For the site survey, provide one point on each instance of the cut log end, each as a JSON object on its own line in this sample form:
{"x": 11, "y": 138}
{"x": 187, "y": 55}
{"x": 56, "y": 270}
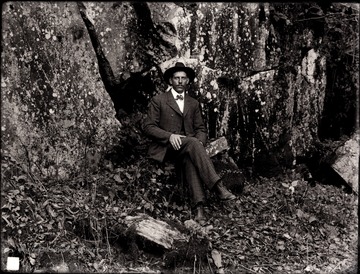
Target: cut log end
{"x": 155, "y": 231}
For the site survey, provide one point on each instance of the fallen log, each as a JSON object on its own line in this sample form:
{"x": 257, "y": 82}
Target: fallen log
{"x": 192, "y": 242}
{"x": 217, "y": 146}
{"x": 155, "y": 231}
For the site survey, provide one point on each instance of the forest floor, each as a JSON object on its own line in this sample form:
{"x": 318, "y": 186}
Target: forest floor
{"x": 277, "y": 225}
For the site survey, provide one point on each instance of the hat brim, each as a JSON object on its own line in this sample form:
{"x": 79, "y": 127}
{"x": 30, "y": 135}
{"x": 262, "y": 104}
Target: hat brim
{"x": 169, "y": 73}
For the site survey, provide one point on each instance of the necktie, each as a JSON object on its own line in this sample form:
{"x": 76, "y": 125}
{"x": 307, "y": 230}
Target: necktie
{"x": 179, "y": 97}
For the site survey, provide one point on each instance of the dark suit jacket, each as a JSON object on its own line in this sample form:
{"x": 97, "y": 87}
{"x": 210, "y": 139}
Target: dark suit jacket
{"x": 165, "y": 118}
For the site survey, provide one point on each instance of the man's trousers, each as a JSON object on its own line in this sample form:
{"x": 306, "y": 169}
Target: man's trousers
{"x": 197, "y": 167}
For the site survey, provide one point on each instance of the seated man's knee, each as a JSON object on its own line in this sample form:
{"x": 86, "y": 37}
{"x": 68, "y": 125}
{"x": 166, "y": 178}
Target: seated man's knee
{"x": 192, "y": 144}
{"x": 193, "y": 141}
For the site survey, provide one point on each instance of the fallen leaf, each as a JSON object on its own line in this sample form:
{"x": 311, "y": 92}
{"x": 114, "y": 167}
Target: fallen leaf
{"x": 11, "y": 242}
{"x": 216, "y": 257}
{"x": 117, "y": 178}
{"x": 312, "y": 219}
{"x": 299, "y": 213}
{"x": 61, "y": 268}
{"x": 51, "y": 211}
{"x": 292, "y": 189}
{"x": 46, "y": 202}
{"x": 31, "y": 260}
{"x": 6, "y": 249}
{"x": 287, "y": 236}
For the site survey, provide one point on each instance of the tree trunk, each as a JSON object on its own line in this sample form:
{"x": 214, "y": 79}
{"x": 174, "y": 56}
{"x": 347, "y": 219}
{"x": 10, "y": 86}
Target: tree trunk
{"x": 130, "y": 95}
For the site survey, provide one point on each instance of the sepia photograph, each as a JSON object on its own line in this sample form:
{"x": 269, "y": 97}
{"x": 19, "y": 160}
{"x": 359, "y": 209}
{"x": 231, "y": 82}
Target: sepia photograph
{"x": 179, "y": 137}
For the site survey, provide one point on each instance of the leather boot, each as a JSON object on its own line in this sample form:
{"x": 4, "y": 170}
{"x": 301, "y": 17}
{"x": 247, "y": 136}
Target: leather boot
{"x": 223, "y": 193}
{"x": 199, "y": 214}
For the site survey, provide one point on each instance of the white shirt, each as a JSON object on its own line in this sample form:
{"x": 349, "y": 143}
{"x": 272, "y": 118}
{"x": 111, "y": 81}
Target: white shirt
{"x": 179, "y": 102}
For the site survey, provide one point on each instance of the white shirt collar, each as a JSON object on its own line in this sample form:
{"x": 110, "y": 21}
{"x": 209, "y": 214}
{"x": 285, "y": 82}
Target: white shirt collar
{"x": 174, "y": 93}
{"x": 180, "y": 103}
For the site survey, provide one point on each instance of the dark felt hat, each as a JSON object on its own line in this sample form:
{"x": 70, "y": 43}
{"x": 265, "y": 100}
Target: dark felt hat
{"x": 179, "y": 67}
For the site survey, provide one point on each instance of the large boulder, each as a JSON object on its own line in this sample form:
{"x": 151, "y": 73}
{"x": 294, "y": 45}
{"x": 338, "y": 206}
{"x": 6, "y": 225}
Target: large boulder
{"x": 347, "y": 162}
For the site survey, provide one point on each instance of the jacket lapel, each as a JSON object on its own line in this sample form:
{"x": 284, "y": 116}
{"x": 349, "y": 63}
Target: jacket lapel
{"x": 172, "y": 103}
{"x": 186, "y": 104}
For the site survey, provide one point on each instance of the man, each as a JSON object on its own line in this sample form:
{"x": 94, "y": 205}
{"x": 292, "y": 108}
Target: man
{"x": 175, "y": 125}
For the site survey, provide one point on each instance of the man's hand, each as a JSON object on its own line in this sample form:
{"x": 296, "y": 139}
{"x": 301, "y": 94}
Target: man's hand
{"x": 175, "y": 140}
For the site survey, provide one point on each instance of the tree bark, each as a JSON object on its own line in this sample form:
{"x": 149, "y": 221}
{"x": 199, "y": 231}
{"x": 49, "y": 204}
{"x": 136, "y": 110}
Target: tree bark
{"x": 131, "y": 94}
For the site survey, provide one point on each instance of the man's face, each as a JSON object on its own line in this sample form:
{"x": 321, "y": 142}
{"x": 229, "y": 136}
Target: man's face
{"x": 179, "y": 81}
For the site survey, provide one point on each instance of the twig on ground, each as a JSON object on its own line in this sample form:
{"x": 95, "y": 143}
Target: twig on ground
{"x": 210, "y": 265}
{"x": 246, "y": 268}
{"x": 194, "y": 264}
{"x": 107, "y": 238}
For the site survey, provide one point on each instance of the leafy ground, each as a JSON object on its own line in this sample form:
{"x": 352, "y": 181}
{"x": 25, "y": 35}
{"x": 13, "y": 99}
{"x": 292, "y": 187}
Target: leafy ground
{"x": 279, "y": 225}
